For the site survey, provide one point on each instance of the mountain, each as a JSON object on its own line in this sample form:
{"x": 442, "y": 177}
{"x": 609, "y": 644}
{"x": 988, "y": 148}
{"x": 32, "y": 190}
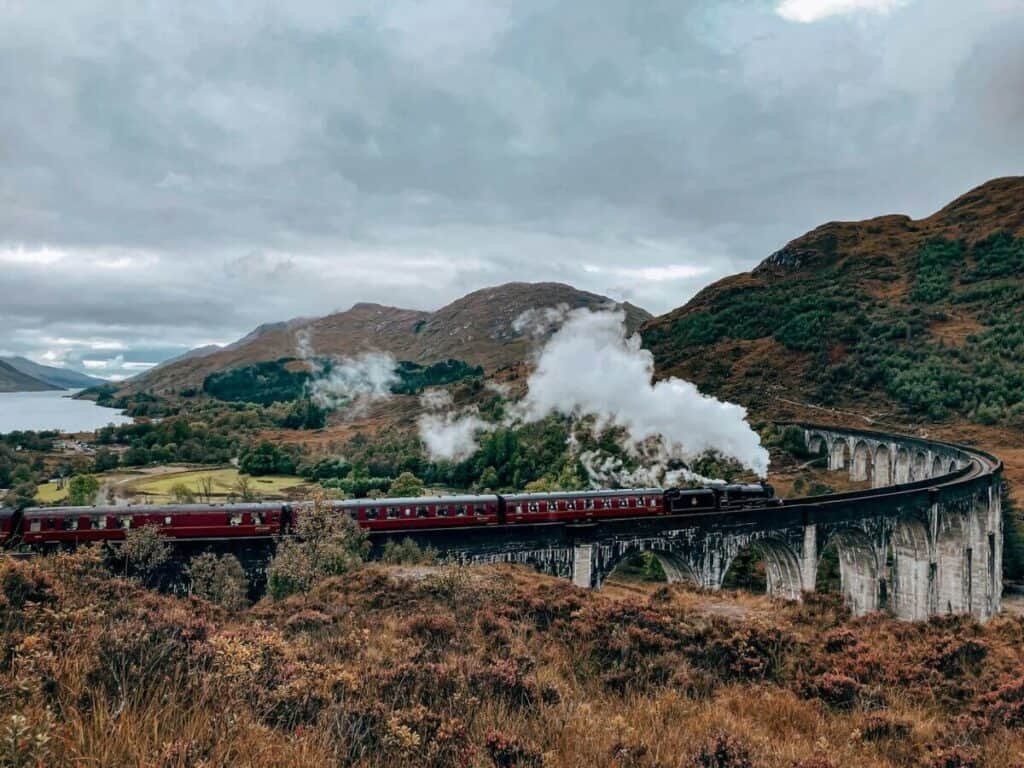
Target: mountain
{"x": 61, "y": 378}
{"x": 491, "y": 328}
{"x": 203, "y": 351}
{"x": 922, "y": 319}
{"x": 13, "y": 380}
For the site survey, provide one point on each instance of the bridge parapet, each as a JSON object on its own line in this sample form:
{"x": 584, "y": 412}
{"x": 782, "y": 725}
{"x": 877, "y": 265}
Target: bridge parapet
{"x": 885, "y": 459}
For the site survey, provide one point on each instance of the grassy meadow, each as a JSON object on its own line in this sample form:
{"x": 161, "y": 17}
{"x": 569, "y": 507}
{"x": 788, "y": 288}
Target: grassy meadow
{"x": 223, "y": 482}
{"x": 156, "y": 485}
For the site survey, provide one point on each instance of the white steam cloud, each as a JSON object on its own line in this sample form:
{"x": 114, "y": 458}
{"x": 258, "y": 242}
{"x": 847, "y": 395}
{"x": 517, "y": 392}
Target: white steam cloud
{"x": 590, "y": 367}
{"x": 540, "y": 321}
{"x": 592, "y": 371}
{"x": 446, "y": 434}
{"x": 355, "y": 382}
{"x": 351, "y": 382}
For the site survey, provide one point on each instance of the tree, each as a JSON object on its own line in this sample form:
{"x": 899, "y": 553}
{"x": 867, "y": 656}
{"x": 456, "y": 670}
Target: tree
{"x": 244, "y": 489}
{"x": 145, "y": 552}
{"x": 220, "y": 580}
{"x": 182, "y": 494}
{"x": 406, "y": 484}
{"x": 206, "y": 488}
{"x": 324, "y": 544}
{"x": 22, "y": 495}
{"x": 105, "y": 460}
{"x": 82, "y": 490}
{"x": 266, "y": 459}
{"x": 489, "y": 479}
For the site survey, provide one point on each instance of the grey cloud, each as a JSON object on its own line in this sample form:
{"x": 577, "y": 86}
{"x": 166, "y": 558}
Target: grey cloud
{"x": 280, "y": 160}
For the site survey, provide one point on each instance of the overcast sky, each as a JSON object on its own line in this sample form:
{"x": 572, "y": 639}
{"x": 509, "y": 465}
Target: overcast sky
{"x": 173, "y": 174}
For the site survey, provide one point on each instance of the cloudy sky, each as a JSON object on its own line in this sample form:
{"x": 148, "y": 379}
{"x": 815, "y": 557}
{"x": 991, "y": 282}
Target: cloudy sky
{"x": 173, "y": 174}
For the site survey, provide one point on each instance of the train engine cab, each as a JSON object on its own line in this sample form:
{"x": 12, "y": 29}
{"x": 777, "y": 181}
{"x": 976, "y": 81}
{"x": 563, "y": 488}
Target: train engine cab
{"x": 690, "y": 501}
{"x": 746, "y": 495}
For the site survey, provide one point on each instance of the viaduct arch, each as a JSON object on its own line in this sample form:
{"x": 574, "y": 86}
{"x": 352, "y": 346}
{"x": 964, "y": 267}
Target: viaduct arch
{"x": 925, "y": 540}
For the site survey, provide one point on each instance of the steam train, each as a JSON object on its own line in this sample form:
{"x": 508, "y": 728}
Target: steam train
{"x": 42, "y": 526}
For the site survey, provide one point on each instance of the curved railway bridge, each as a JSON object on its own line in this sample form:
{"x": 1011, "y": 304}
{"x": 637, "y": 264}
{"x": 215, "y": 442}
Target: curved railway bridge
{"x": 926, "y": 539}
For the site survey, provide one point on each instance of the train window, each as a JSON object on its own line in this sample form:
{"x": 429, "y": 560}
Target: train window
{"x": 257, "y": 518}
{"x": 570, "y": 504}
{"x": 623, "y": 502}
{"x": 695, "y": 501}
{"x": 519, "y": 509}
{"x": 371, "y": 513}
{"x": 126, "y": 522}
{"x": 35, "y": 526}
{"x": 534, "y": 506}
{"x": 653, "y": 501}
{"x": 167, "y": 519}
{"x": 408, "y": 511}
{"x": 353, "y": 513}
{"x": 99, "y": 522}
{"x": 481, "y": 510}
{"x": 588, "y": 503}
{"x": 392, "y": 513}
{"x": 422, "y": 512}
{"x": 235, "y": 520}
{"x": 70, "y": 524}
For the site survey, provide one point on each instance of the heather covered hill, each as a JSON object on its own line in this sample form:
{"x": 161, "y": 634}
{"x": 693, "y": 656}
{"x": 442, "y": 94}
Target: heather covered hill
{"x": 489, "y": 667}
{"x": 480, "y": 329}
{"x": 923, "y": 319}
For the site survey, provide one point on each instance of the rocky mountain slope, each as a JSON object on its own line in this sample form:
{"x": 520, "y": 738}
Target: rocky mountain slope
{"x": 62, "y": 378}
{"x": 917, "y": 319}
{"x": 13, "y": 380}
{"x": 480, "y": 329}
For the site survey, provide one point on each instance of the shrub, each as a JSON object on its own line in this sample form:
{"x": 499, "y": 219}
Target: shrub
{"x": 954, "y": 757}
{"x": 816, "y": 761}
{"x": 25, "y": 743}
{"x": 408, "y": 552}
{"x": 406, "y": 484}
{"x": 721, "y": 750}
{"x": 325, "y": 544}
{"x": 509, "y": 752}
{"x": 145, "y": 553}
{"x": 836, "y": 690}
{"x": 220, "y": 580}
{"x": 880, "y": 727}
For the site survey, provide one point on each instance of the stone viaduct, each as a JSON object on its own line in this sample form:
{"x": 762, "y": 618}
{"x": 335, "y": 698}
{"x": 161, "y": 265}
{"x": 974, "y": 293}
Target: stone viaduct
{"x": 926, "y": 539}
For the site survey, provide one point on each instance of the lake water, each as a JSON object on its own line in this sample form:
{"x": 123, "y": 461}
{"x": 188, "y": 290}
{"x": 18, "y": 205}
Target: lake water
{"x": 54, "y": 410}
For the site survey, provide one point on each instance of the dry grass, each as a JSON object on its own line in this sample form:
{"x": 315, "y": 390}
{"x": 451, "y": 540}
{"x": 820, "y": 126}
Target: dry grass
{"x": 489, "y": 667}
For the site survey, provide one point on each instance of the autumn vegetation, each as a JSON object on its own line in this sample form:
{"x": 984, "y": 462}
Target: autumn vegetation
{"x": 448, "y": 666}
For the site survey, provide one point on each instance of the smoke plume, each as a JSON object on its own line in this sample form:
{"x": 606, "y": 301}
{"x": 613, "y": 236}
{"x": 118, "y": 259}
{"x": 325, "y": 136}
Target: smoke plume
{"x": 351, "y": 382}
{"x": 589, "y": 367}
{"x": 446, "y": 434}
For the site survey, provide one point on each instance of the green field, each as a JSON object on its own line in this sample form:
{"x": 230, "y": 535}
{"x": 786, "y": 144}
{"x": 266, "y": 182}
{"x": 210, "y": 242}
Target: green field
{"x": 49, "y": 493}
{"x": 225, "y": 484}
{"x": 156, "y": 488}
